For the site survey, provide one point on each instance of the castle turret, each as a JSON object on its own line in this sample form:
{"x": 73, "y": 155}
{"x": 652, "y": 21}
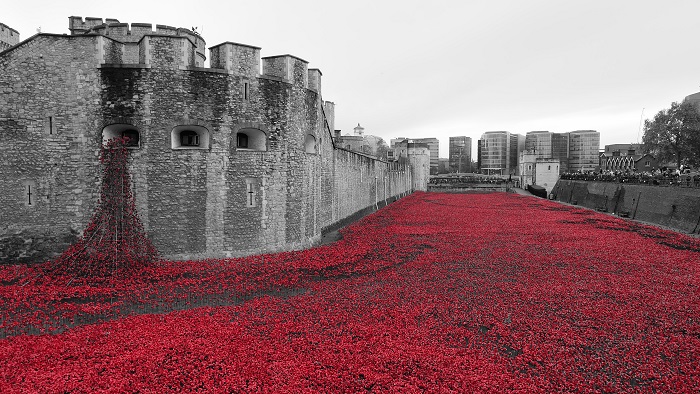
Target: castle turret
{"x": 238, "y": 59}
{"x": 329, "y": 111}
{"x": 8, "y": 37}
{"x": 359, "y": 130}
{"x": 315, "y": 80}
{"x": 287, "y": 67}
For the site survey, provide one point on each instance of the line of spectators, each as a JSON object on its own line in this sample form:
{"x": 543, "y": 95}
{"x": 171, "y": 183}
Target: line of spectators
{"x": 683, "y": 178}
{"x": 453, "y": 180}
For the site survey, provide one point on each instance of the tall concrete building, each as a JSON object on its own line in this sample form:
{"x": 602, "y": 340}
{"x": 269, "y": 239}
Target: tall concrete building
{"x": 460, "y": 155}
{"x": 433, "y": 146}
{"x": 498, "y": 152}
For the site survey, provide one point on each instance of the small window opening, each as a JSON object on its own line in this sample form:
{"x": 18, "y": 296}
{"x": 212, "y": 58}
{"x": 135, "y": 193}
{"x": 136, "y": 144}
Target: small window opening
{"x": 122, "y": 130}
{"x": 251, "y": 139}
{"x": 242, "y": 141}
{"x": 549, "y": 168}
{"x": 132, "y": 138}
{"x": 310, "y": 144}
{"x": 245, "y": 90}
{"x": 49, "y": 125}
{"x": 30, "y": 196}
{"x": 251, "y": 193}
{"x": 30, "y": 193}
{"x": 189, "y": 138}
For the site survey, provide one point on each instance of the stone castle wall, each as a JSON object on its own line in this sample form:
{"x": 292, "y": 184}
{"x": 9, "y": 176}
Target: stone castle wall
{"x": 8, "y": 37}
{"x": 674, "y": 207}
{"x": 59, "y": 96}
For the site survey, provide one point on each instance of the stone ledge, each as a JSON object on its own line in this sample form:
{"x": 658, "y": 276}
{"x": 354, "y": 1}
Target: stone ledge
{"x": 204, "y": 69}
{"x": 120, "y": 65}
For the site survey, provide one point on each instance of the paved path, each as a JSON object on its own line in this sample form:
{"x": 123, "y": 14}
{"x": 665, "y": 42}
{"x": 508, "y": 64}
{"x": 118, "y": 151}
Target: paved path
{"x": 521, "y": 191}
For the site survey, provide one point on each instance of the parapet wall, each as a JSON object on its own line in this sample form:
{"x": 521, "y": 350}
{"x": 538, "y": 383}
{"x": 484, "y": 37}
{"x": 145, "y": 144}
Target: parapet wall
{"x": 675, "y": 207}
{"x": 134, "y": 33}
{"x": 8, "y": 37}
{"x": 121, "y": 44}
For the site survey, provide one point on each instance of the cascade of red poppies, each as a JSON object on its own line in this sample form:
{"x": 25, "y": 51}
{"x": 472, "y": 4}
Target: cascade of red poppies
{"x": 115, "y": 238}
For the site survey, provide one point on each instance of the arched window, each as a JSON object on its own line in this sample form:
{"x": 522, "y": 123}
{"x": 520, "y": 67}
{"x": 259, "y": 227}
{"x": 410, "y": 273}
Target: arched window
{"x": 251, "y": 139}
{"x": 189, "y": 137}
{"x": 117, "y": 130}
{"x": 310, "y": 143}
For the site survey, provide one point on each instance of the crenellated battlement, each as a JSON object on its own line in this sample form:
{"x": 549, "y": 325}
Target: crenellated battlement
{"x": 134, "y": 33}
{"x": 8, "y": 37}
{"x": 139, "y": 45}
{"x": 229, "y": 159}
{"x": 77, "y": 25}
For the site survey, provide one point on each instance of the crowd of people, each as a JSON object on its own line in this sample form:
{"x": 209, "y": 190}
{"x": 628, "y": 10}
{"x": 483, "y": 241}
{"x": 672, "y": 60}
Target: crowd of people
{"x": 681, "y": 177}
{"x": 452, "y": 179}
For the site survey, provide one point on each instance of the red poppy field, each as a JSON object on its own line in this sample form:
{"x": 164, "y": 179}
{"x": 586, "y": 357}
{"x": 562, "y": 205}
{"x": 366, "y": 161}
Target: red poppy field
{"x": 434, "y": 293}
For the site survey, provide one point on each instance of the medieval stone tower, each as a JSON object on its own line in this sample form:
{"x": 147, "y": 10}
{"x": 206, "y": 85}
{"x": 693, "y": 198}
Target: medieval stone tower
{"x": 232, "y": 159}
{"x": 8, "y": 37}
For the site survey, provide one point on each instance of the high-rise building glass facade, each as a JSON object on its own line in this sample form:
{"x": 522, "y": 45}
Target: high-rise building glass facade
{"x": 548, "y": 145}
{"x": 560, "y": 150}
{"x": 584, "y": 147}
{"x": 460, "y": 154}
{"x": 499, "y": 152}
{"x": 539, "y": 142}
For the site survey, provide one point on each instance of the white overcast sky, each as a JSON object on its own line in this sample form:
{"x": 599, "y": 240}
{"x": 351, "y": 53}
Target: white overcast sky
{"x": 419, "y": 68}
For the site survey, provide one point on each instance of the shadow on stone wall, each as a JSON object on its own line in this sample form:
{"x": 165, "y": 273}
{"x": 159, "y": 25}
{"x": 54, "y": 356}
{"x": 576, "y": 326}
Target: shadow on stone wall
{"x": 674, "y": 207}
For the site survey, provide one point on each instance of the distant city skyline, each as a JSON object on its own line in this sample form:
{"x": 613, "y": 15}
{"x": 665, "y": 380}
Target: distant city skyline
{"x": 447, "y": 68}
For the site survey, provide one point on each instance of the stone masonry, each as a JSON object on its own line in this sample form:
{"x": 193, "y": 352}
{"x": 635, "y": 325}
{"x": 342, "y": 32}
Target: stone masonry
{"x": 228, "y": 160}
{"x": 8, "y": 37}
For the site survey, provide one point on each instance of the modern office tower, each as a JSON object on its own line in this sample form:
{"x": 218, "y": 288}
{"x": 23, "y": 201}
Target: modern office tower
{"x": 539, "y": 142}
{"x": 517, "y": 145}
{"x": 584, "y": 146}
{"x": 460, "y": 155}
{"x": 560, "y": 150}
{"x": 546, "y": 145}
{"x": 498, "y": 151}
